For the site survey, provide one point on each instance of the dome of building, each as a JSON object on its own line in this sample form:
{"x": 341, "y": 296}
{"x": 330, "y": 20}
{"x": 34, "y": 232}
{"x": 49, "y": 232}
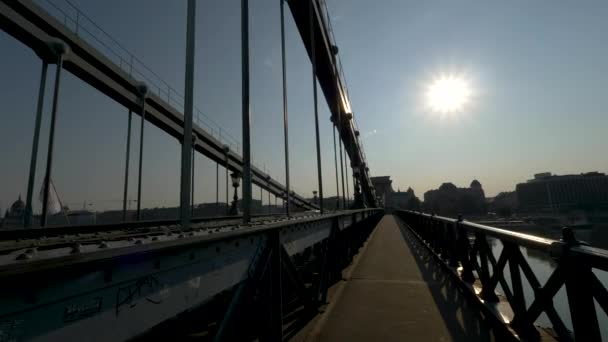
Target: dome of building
{"x": 18, "y": 204}
{"x": 475, "y": 184}
{"x": 447, "y": 186}
{"x": 17, "y": 208}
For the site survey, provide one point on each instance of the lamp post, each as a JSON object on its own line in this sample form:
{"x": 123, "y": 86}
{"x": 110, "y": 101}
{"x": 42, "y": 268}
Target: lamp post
{"x": 236, "y": 180}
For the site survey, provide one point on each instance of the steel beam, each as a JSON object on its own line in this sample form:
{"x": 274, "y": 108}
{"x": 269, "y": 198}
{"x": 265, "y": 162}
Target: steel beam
{"x": 34, "y": 157}
{"x": 185, "y": 178}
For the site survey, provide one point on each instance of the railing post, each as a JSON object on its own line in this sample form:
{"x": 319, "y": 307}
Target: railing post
{"x": 523, "y": 326}
{"x": 276, "y": 305}
{"x": 434, "y": 238}
{"x": 464, "y": 249}
{"x": 519, "y": 305}
{"x": 445, "y": 251}
{"x": 578, "y": 277}
{"x": 487, "y": 293}
{"x": 425, "y": 229}
{"x": 452, "y": 245}
{"x": 328, "y": 266}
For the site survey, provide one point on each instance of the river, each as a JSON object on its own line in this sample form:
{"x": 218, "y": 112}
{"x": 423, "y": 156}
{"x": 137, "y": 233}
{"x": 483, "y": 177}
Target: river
{"x": 543, "y": 266}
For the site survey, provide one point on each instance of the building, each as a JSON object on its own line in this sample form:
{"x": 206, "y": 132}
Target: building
{"x": 405, "y": 199}
{"x": 450, "y": 200}
{"x": 390, "y": 198}
{"x": 504, "y": 204}
{"x": 553, "y": 194}
{"x": 14, "y": 216}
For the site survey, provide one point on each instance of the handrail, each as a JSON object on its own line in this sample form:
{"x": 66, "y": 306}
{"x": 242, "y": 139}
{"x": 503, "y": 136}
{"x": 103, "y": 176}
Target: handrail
{"x": 522, "y": 239}
{"x": 46, "y": 232}
{"x": 463, "y": 248}
{"x": 197, "y": 237}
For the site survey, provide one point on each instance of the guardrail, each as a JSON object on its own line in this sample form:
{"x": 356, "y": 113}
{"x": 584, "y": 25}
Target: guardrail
{"x": 20, "y": 234}
{"x": 236, "y": 282}
{"x": 463, "y": 247}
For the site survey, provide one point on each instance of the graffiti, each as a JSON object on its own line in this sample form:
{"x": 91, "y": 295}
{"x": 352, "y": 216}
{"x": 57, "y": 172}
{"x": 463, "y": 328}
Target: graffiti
{"x": 74, "y": 312}
{"x": 143, "y": 288}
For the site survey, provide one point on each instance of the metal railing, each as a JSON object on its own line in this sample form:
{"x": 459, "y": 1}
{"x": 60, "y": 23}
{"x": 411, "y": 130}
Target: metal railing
{"x": 265, "y": 279}
{"x": 463, "y": 247}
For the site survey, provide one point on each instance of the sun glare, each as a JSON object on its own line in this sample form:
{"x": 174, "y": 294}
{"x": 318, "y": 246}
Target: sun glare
{"x": 448, "y": 94}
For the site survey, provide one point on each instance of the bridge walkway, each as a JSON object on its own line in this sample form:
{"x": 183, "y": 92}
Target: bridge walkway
{"x": 395, "y": 291}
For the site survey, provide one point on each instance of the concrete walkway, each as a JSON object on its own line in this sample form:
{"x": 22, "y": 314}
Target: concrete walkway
{"x": 396, "y": 292}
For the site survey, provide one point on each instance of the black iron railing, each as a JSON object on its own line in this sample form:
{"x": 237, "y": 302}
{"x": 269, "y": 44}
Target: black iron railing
{"x": 463, "y": 246}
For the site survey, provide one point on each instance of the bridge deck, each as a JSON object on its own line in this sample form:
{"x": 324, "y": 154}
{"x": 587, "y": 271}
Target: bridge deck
{"x": 394, "y": 292}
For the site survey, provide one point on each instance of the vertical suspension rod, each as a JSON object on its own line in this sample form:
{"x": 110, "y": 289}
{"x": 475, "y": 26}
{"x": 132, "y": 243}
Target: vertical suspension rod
{"x": 316, "y": 109}
{"x": 285, "y": 112}
{"x": 246, "y": 115}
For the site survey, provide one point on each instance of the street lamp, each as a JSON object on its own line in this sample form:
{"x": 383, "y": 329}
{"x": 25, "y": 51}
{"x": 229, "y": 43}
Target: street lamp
{"x": 236, "y": 180}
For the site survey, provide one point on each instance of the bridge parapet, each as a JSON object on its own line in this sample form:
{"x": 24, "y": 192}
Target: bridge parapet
{"x": 463, "y": 248}
{"x": 120, "y": 286}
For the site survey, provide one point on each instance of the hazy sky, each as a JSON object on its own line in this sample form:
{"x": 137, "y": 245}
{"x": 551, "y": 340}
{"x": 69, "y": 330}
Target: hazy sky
{"x": 537, "y": 69}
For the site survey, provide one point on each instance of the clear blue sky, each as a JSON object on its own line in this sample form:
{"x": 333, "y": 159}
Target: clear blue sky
{"x": 537, "y": 68}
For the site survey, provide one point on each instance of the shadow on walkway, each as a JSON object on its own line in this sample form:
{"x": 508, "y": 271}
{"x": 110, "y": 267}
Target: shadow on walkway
{"x": 459, "y": 315}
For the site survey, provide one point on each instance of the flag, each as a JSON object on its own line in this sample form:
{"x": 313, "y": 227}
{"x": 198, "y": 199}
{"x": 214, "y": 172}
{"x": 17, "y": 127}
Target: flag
{"x": 54, "y": 205}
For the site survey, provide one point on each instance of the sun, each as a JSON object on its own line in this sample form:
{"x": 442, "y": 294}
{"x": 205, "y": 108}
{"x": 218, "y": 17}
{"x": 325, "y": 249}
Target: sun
{"x": 448, "y": 94}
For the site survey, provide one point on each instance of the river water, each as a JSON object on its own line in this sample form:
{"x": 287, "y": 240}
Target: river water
{"x": 543, "y": 266}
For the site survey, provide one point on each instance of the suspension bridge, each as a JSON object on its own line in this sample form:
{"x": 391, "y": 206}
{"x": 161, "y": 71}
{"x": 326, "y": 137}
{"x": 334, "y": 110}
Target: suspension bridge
{"x": 359, "y": 271}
